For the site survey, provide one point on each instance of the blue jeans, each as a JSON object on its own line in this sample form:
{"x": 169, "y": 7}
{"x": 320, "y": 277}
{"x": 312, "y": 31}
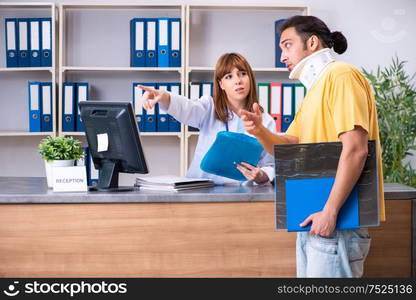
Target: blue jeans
{"x": 340, "y": 255}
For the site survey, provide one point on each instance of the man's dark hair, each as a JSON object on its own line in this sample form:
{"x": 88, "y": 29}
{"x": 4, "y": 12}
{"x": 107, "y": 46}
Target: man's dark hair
{"x": 306, "y": 26}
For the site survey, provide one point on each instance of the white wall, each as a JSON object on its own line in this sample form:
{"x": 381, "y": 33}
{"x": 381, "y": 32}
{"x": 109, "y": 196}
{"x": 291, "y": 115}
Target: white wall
{"x": 375, "y": 30}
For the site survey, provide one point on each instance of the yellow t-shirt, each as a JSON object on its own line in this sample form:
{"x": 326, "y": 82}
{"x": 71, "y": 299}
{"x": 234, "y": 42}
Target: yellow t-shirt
{"x": 340, "y": 99}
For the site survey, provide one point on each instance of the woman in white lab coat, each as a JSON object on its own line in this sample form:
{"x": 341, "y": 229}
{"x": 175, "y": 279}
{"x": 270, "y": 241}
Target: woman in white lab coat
{"x": 234, "y": 89}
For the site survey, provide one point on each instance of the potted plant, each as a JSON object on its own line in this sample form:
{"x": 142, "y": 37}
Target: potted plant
{"x": 59, "y": 152}
{"x": 395, "y": 96}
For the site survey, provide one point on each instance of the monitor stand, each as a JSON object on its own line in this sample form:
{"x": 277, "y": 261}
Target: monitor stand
{"x": 108, "y": 179}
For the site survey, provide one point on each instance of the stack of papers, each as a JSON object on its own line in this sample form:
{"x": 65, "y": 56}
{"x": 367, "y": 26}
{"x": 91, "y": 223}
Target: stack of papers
{"x": 172, "y": 183}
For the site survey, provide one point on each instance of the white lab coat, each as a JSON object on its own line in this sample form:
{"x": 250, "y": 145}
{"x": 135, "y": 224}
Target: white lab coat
{"x": 201, "y": 114}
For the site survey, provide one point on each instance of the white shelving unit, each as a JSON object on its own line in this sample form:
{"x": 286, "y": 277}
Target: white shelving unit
{"x": 212, "y": 30}
{"x": 14, "y": 115}
{"x": 79, "y": 59}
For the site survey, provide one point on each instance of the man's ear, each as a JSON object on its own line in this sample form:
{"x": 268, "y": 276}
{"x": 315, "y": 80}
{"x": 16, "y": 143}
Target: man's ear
{"x": 313, "y": 43}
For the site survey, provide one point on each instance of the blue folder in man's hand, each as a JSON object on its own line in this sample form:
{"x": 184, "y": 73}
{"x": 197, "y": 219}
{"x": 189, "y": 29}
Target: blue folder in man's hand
{"x": 228, "y": 150}
{"x": 307, "y": 196}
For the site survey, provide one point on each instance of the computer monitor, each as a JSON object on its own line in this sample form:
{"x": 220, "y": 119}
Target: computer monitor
{"x": 113, "y": 138}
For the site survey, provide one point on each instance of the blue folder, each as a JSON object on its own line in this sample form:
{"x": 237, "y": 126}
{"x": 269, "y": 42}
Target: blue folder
{"x": 151, "y": 42}
{"x": 81, "y": 95}
{"x": 287, "y": 105}
{"x": 163, "y": 43}
{"x": 138, "y": 42}
{"x": 34, "y": 25}
{"x": 46, "y": 42}
{"x": 307, "y": 196}
{"x": 174, "y": 125}
{"x": 228, "y": 150}
{"x": 35, "y": 106}
{"x": 162, "y": 115}
{"x": 24, "y": 43}
{"x": 68, "y": 106}
{"x": 278, "y": 51}
{"x": 12, "y": 42}
{"x": 47, "y": 108}
{"x": 175, "y": 42}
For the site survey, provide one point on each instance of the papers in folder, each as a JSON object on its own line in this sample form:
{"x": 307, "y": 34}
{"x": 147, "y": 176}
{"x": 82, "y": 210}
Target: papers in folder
{"x": 172, "y": 183}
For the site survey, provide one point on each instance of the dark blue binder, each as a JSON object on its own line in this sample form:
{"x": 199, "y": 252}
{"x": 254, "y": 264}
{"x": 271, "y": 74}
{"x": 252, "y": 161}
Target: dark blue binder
{"x": 81, "y": 95}
{"x": 34, "y": 53}
{"x": 24, "y": 43}
{"x": 175, "y": 42}
{"x": 228, "y": 150}
{"x": 150, "y": 116}
{"x": 12, "y": 42}
{"x": 163, "y": 43}
{"x": 138, "y": 42}
{"x": 278, "y": 51}
{"x": 174, "y": 125}
{"x": 162, "y": 115}
{"x": 47, "y": 108}
{"x": 307, "y": 196}
{"x": 151, "y": 42}
{"x": 46, "y": 42}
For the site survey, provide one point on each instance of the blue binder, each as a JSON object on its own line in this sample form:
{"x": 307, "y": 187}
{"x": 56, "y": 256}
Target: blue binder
{"x": 228, "y": 150}
{"x": 138, "y": 105}
{"x": 35, "y": 105}
{"x": 278, "y": 51}
{"x": 175, "y": 42}
{"x": 174, "y": 125}
{"x": 149, "y": 116}
{"x": 151, "y": 42}
{"x": 138, "y": 42}
{"x": 93, "y": 172}
{"x": 12, "y": 42}
{"x": 34, "y": 52}
{"x": 287, "y": 105}
{"x": 163, "y": 43}
{"x": 162, "y": 115}
{"x": 81, "y": 95}
{"x": 206, "y": 89}
{"x": 68, "y": 106}
{"x": 307, "y": 196}
{"x": 47, "y": 116}
{"x": 46, "y": 42}
{"x": 24, "y": 43}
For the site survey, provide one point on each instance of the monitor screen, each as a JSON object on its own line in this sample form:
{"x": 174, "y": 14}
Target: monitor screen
{"x": 113, "y": 138}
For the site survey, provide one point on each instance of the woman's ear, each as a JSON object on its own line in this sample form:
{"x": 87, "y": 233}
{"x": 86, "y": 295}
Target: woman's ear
{"x": 220, "y": 84}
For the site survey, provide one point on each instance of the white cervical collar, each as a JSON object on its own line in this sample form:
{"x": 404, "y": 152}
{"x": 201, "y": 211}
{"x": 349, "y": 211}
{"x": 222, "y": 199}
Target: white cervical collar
{"x": 310, "y": 68}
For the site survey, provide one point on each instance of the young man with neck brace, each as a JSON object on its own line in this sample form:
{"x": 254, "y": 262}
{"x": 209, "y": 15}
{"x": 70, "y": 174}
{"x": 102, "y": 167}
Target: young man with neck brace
{"x": 339, "y": 106}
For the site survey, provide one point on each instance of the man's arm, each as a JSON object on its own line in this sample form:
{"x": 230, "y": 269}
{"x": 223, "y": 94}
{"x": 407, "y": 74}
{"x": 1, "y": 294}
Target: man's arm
{"x": 351, "y": 163}
{"x": 252, "y": 122}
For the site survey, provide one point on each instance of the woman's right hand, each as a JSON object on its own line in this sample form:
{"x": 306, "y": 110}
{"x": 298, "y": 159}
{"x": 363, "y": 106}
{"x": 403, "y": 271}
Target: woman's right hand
{"x": 153, "y": 96}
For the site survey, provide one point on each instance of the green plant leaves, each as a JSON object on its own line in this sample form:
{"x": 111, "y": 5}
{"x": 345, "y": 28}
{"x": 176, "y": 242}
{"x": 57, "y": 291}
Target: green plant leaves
{"x": 60, "y": 148}
{"x": 395, "y": 97}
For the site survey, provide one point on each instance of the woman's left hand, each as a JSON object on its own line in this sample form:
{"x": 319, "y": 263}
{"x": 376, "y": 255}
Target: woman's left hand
{"x": 252, "y": 173}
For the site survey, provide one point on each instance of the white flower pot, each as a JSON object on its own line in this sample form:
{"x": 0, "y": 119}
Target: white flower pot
{"x": 56, "y": 163}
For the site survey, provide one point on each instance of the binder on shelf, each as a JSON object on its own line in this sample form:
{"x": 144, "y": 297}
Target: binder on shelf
{"x": 138, "y": 42}
{"x": 299, "y": 206}
{"x": 12, "y": 42}
{"x": 68, "y": 119}
{"x": 162, "y": 115}
{"x": 138, "y": 105}
{"x": 150, "y": 117}
{"x": 93, "y": 172}
{"x": 46, "y": 42}
{"x": 47, "y": 117}
{"x": 287, "y": 105}
{"x": 278, "y": 51}
{"x": 24, "y": 43}
{"x": 194, "y": 95}
{"x": 276, "y": 104}
{"x": 206, "y": 88}
{"x": 299, "y": 92}
{"x": 34, "y": 52}
{"x": 81, "y": 95}
{"x": 264, "y": 94}
{"x": 34, "y": 107}
{"x": 163, "y": 43}
{"x": 151, "y": 42}
{"x": 175, "y": 42}
{"x": 174, "y": 125}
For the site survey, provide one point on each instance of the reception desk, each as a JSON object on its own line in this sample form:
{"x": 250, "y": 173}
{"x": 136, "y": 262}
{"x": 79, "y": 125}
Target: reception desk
{"x": 225, "y": 231}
